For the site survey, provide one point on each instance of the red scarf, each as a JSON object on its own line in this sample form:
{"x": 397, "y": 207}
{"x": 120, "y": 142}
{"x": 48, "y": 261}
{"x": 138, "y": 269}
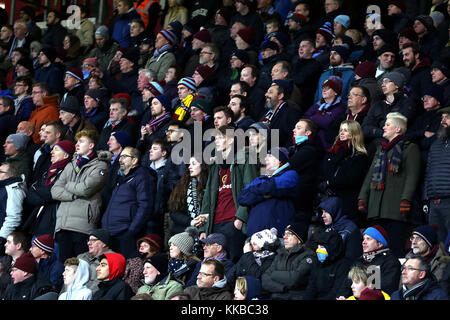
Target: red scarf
{"x": 55, "y": 169}
{"x": 339, "y": 144}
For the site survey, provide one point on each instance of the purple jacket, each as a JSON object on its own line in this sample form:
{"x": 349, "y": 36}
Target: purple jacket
{"x": 323, "y": 119}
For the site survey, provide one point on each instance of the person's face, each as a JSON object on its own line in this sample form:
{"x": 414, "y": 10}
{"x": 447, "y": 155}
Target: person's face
{"x": 121, "y": 8}
{"x": 42, "y": 133}
{"x": 393, "y": 9}
{"x": 113, "y": 145}
{"x": 145, "y": 248}
{"x": 370, "y": 244}
{"x": 135, "y": 29}
{"x": 20, "y": 30}
{"x": 66, "y": 43}
{"x": 235, "y": 63}
{"x": 377, "y": 42}
{"x": 305, "y": 50}
{"x": 95, "y": 246}
{"x": 344, "y": 132}
{"x": 205, "y": 277}
{"x": 445, "y": 120}
{"x": 157, "y": 108}
{"x": 90, "y": 103}
{"x": 418, "y": 245}
{"x": 290, "y": 240}
{"x": 221, "y": 142}
{"x": 36, "y": 252}
{"x": 70, "y": 82}
{"x": 22, "y": 127}
{"x": 328, "y": 93}
{"x": 3, "y": 172}
{"x": 150, "y": 273}
{"x": 37, "y": 95}
{"x": 357, "y": 287}
{"x": 254, "y": 138}
{"x": 387, "y": 60}
{"x": 267, "y": 53}
{"x": 197, "y": 44}
{"x": 57, "y": 154}
{"x": 84, "y": 146}
{"x": 235, "y": 106}
{"x": 126, "y": 161}
{"x": 409, "y": 59}
{"x": 235, "y": 89}
{"x": 272, "y": 163}
{"x": 238, "y": 295}
{"x": 402, "y": 41}
{"x": 103, "y": 270}
{"x": 183, "y": 91}
{"x": 100, "y": 40}
{"x": 300, "y": 129}
{"x": 147, "y": 95}
{"x": 211, "y": 250}
{"x": 50, "y": 135}
{"x": 20, "y": 88}
{"x": 320, "y": 40}
{"x": 15, "y": 56}
{"x": 338, "y": 28}
{"x": 66, "y": 117}
{"x": 388, "y": 87}
{"x": 18, "y": 275}
{"x": 3, "y": 108}
{"x": 220, "y": 119}
{"x": 170, "y": 75}
{"x": 174, "y": 251}
{"x": 116, "y": 112}
{"x": 429, "y": 102}
{"x": 160, "y": 41}
{"x": 125, "y": 65}
{"x": 10, "y": 148}
{"x": 335, "y": 59}
{"x": 206, "y": 55}
{"x": 411, "y": 275}
{"x": 330, "y": 5}
{"x": 419, "y": 28}
{"x": 301, "y": 9}
{"x": 173, "y": 134}
{"x": 51, "y": 18}
{"x": 437, "y": 76}
{"x": 197, "y": 78}
{"x": 390, "y": 131}
{"x": 21, "y": 70}
{"x": 10, "y": 247}
{"x": 278, "y": 73}
{"x": 5, "y": 33}
{"x": 156, "y": 153}
{"x": 69, "y": 274}
{"x": 240, "y": 43}
{"x": 197, "y": 114}
{"x": 271, "y": 27}
{"x": 272, "y": 96}
{"x": 219, "y": 20}
{"x": 326, "y": 217}
{"x": 195, "y": 168}
{"x": 355, "y": 98}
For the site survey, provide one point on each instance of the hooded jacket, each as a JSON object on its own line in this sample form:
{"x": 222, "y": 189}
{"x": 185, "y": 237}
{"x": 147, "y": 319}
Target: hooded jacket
{"x": 329, "y": 280}
{"x": 77, "y": 290}
{"x": 346, "y": 228}
{"x": 12, "y": 195}
{"x": 115, "y": 288}
{"x": 45, "y": 113}
{"x": 253, "y": 288}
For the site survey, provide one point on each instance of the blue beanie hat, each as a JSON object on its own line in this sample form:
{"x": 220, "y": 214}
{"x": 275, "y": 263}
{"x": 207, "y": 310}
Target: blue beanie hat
{"x": 165, "y": 101}
{"x": 343, "y": 19}
{"x": 427, "y": 233}
{"x": 188, "y": 82}
{"x": 378, "y": 233}
{"x": 241, "y": 55}
{"x": 436, "y": 91}
{"x": 122, "y": 138}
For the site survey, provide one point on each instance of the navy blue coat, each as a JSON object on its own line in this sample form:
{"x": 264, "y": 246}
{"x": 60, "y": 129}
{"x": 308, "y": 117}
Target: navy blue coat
{"x": 132, "y": 202}
{"x": 429, "y": 291}
{"x": 276, "y": 211}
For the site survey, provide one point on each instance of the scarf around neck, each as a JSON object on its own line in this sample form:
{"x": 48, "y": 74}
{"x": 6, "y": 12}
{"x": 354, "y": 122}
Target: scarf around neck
{"x": 156, "y": 123}
{"x": 383, "y": 164}
{"x": 340, "y": 144}
{"x": 55, "y": 169}
{"x": 369, "y": 256}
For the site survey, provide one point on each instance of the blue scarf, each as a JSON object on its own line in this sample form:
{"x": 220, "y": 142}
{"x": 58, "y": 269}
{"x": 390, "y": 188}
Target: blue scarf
{"x": 325, "y": 106}
{"x": 161, "y": 50}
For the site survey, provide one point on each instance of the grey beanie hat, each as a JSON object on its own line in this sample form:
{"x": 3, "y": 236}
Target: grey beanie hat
{"x": 397, "y": 78}
{"x": 184, "y": 240}
{"x": 19, "y": 140}
{"x": 103, "y": 31}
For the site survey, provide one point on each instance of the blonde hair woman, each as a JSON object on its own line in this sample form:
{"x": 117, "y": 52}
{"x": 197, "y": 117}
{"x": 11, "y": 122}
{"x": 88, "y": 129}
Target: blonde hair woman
{"x": 344, "y": 169}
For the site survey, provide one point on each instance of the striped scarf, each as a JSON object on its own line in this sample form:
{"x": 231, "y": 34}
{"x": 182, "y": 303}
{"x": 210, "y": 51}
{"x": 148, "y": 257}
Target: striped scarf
{"x": 155, "y": 123}
{"x": 192, "y": 200}
{"x": 82, "y": 160}
{"x": 383, "y": 164}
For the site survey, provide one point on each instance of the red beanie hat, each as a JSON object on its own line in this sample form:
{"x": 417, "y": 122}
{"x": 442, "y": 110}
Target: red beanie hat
{"x": 247, "y": 34}
{"x": 26, "y": 262}
{"x": 154, "y": 240}
{"x": 203, "y": 35}
{"x": 67, "y": 146}
{"x": 371, "y": 294}
{"x": 366, "y": 69}
{"x": 125, "y": 96}
{"x": 205, "y": 71}
{"x": 45, "y": 242}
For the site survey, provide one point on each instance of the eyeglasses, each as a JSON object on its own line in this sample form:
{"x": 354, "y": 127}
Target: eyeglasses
{"x": 288, "y": 234}
{"x": 410, "y": 269}
{"x": 92, "y": 240}
{"x": 209, "y": 244}
{"x": 126, "y": 156}
{"x": 203, "y": 274}
{"x": 354, "y": 94}
{"x": 204, "y": 52}
{"x": 426, "y": 97}
{"x": 416, "y": 239}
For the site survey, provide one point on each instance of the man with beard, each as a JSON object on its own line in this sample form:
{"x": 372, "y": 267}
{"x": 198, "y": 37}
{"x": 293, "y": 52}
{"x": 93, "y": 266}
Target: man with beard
{"x": 280, "y": 115}
{"x": 240, "y": 105}
{"x": 437, "y": 185}
{"x": 55, "y": 33}
{"x": 105, "y": 48}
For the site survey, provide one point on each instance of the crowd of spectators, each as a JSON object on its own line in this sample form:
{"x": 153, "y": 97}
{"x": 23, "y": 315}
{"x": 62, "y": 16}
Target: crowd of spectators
{"x": 218, "y": 150}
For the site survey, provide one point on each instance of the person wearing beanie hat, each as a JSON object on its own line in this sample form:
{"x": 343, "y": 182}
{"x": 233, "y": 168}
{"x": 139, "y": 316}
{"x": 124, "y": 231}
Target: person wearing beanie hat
{"x": 182, "y": 261}
{"x": 365, "y": 69}
{"x": 397, "y": 78}
{"x": 154, "y": 89}
{"x": 93, "y": 109}
{"x": 187, "y": 90}
{"x": 122, "y": 138}
{"x": 386, "y": 58}
{"x": 423, "y": 241}
{"x": 268, "y": 210}
{"x": 24, "y": 67}
{"x": 110, "y": 272}
{"x": 50, "y": 268}
{"x": 61, "y": 155}
{"x": 264, "y": 237}
{"x": 326, "y": 34}
{"x": 376, "y": 233}
{"x": 15, "y": 152}
{"x": 102, "y": 31}
{"x": 202, "y": 73}
{"x": 245, "y": 37}
{"x": 163, "y": 57}
{"x": 340, "y": 24}
{"x": 291, "y": 268}
{"x": 226, "y": 14}
{"x": 241, "y": 55}
{"x": 342, "y": 51}
{"x": 203, "y": 36}
{"x": 204, "y": 105}
{"x": 48, "y": 71}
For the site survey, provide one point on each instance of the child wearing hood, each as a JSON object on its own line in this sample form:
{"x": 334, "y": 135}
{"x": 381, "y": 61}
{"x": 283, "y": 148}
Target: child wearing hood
{"x": 76, "y": 275}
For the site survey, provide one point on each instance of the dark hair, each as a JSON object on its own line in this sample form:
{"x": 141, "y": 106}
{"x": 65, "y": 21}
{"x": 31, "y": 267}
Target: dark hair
{"x": 122, "y": 101}
{"x": 424, "y": 265}
{"x": 164, "y": 145}
{"x": 12, "y": 172}
{"x": 245, "y": 102}
{"x": 178, "y": 71}
{"x": 416, "y": 48}
{"x": 8, "y": 102}
{"x": 139, "y": 22}
{"x": 25, "y": 79}
{"x": 74, "y": 50}
{"x": 177, "y": 199}
{"x": 22, "y": 238}
{"x": 228, "y": 112}
{"x": 178, "y": 123}
{"x": 44, "y": 86}
{"x": 365, "y": 92}
{"x": 285, "y": 66}
{"x": 311, "y": 126}
{"x": 219, "y": 269}
{"x": 58, "y": 126}
{"x": 255, "y": 70}
{"x": 244, "y": 85}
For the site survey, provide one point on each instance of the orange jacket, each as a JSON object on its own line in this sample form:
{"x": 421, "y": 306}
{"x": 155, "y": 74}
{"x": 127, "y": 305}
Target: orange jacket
{"x": 45, "y": 113}
{"x": 142, "y": 9}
